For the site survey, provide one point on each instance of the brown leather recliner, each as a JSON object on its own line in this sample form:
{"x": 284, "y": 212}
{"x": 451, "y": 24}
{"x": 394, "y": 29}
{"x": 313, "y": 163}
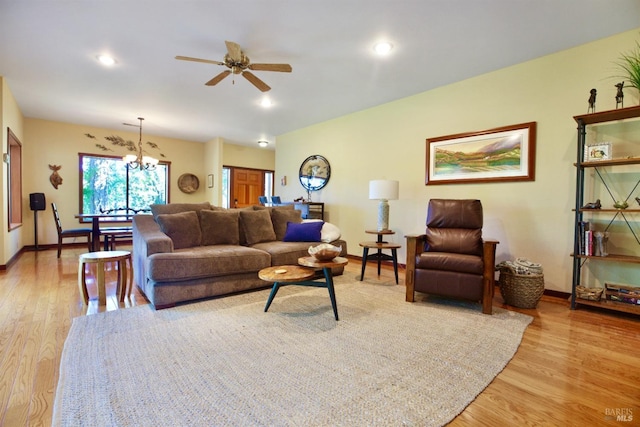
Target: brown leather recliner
{"x": 451, "y": 259}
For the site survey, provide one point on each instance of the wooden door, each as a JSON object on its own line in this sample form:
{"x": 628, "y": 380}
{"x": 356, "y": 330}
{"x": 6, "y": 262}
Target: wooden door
{"x": 248, "y": 185}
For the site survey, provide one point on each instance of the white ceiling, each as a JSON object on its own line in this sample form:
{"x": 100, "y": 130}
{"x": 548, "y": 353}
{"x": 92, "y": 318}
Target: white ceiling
{"x": 48, "y": 55}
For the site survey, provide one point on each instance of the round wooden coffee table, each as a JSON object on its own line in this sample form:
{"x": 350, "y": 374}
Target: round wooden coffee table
{"x": 325, "y": 266}
{"x": 284, "y": 275}
{"x": 303, "y": 275}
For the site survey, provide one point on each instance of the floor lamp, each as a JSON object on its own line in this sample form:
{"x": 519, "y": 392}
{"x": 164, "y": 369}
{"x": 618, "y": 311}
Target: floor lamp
{"x": 383, "y": 190}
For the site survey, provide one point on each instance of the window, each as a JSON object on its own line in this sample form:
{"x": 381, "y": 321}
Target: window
{"x": 15, "y": 181}
{"x": 268, "y": 184}
{"x": 110, "y": 186}
{"x": 226, "y": 186}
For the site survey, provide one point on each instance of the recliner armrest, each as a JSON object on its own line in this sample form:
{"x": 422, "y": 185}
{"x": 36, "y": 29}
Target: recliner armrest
{"x": 415, "y": 246}
{"x": 489, "y": 259}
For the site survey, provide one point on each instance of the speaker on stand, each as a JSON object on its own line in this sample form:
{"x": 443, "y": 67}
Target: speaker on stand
{"x": 36, "y": 203}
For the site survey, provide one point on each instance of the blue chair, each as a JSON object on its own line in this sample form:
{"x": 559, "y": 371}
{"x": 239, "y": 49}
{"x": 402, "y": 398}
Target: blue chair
{"x": 262, "y": 200}
{"x": 275, "y": 200}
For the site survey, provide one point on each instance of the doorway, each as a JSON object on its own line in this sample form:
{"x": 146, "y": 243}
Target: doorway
{"x": 244, "y": 186}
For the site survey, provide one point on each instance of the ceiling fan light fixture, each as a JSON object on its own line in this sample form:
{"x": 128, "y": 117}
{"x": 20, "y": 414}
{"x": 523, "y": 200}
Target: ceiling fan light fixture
{"x": 238, "y": 63}
{"x": 382, "y": 48}
{"x": 263, "y": 143}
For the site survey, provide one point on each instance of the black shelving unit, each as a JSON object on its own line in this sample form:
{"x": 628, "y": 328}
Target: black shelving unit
{"x": 625, "y": 215}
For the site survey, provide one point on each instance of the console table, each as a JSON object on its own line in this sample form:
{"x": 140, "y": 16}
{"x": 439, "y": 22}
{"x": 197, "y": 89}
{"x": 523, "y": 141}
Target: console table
{"x": 310, "y": 210}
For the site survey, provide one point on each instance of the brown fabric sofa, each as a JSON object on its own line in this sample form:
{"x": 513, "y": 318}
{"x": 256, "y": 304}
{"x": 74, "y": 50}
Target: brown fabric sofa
{"x": 185, "y": 252}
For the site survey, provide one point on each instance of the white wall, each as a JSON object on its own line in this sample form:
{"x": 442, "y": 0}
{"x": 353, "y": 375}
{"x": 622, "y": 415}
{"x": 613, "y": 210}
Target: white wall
{"x": 531, "y": 219}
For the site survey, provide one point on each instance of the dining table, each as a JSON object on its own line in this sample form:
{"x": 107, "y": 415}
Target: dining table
{"x": 96, "y": 218}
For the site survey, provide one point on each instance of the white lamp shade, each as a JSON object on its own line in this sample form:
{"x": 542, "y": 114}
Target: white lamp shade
{"x": 382, "y": 189}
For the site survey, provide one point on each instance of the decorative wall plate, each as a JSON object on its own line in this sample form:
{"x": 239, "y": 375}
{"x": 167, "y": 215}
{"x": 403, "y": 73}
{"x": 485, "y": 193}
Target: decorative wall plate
{"x": 188, "y": 183}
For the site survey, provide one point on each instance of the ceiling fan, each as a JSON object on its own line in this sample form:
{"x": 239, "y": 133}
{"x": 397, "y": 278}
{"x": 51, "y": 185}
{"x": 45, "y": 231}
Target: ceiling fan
{"x": 239, "y": 63}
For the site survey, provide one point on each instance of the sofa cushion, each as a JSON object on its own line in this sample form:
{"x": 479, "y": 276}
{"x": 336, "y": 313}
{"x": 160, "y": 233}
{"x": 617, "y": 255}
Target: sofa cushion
{"x": 303, "y": 232}
{"x": 456, "y": 240}
{"x": 280, "y": 218}
{"x": 257, "y": 226}
{"x": 220, "y": 227}
{"x": 329, "y": 232}
{"x": 183, "y": 228}
{"x": 287, "y": 253}
{"x": 205, "y": 261}
{"x": 173, "y": 208}
{"x": 445, "y": 261}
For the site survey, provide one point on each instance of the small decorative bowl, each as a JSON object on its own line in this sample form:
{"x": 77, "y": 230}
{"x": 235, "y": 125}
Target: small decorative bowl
{"x": 325, "y": 251}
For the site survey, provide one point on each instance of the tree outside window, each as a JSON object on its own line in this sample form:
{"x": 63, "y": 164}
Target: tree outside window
{"x": 110, "y": 186}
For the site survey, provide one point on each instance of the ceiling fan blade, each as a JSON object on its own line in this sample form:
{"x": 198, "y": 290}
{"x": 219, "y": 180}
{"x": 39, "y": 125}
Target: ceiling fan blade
{"x": 256, "y": 81}
{"x": 206, "y": 61}
{"x": 284, "y": 68}
{"x": 217, "y": 79}
{"x": 235, "y": 53}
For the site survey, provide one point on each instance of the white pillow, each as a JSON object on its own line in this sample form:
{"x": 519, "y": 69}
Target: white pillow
{"x": 329, "y": 232}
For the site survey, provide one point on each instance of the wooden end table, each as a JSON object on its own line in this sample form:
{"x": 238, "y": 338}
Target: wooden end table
{"x": 379, "y": 245}
{"x": 124, "y": 284}
{"x": 301, "y": 275}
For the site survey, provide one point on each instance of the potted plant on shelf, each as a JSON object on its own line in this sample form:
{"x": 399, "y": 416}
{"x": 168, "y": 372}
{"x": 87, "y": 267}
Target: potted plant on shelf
{"x": 629, "y": 63}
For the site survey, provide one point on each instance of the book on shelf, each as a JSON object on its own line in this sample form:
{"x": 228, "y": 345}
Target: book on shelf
{"x": 623, "y": 293}
{"x": 585, "y": 238}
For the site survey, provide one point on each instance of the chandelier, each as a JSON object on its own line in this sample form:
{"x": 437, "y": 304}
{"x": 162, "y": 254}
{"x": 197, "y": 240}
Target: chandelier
{"x": 139, "y": 160}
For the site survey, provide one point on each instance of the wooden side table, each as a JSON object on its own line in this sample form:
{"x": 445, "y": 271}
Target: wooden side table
{"x": 125, "y": 281}
{"x": 380, "y": 245}
{"x": 301, "y": 275}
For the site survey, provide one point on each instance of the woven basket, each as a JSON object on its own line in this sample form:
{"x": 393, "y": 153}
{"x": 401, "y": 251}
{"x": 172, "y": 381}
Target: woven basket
{"x": 521, "y": 290}
{"x": 591, "y": 294}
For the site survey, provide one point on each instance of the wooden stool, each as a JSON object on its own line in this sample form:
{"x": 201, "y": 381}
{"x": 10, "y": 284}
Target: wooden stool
{"x": 124, "y": 285}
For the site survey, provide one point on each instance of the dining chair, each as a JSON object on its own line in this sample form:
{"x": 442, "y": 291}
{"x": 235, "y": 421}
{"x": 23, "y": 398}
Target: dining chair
{"x": 69, "y": 233}
{"x": 275, "y": 200}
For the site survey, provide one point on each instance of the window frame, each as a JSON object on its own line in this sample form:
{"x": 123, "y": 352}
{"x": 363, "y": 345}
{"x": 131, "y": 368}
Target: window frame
{"x": 14, "y": 181}
{"x": 82, "y": 156}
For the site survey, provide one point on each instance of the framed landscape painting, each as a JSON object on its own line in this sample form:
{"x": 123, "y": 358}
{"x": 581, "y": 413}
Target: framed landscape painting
{"x": 501, "y": 154}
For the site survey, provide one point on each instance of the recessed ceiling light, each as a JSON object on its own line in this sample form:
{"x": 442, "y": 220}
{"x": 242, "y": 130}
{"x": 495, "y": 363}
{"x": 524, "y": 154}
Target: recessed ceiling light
{"x": 266, "y": 102}
{"x": 382, "y": 48}
{"x": 106, "y": 60}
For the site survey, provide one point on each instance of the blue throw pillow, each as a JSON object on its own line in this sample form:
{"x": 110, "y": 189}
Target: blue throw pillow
{"x": 303, "y": 232}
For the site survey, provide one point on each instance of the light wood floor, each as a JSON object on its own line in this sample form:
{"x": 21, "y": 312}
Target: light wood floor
{"x": 574, "y": 368}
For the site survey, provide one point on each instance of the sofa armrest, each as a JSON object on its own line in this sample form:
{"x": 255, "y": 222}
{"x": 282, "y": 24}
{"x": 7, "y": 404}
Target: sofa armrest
{"x": 148, "y": 239}
{"x": 415, "y": 245}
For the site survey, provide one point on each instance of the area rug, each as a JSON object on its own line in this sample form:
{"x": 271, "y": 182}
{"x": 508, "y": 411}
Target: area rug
{"x": 225, "y": 362}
